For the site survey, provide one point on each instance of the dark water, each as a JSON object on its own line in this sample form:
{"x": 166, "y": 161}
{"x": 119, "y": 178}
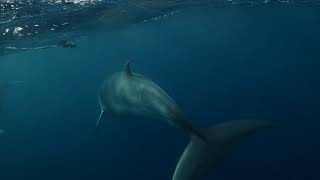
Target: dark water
{"x": 218, "y": 64}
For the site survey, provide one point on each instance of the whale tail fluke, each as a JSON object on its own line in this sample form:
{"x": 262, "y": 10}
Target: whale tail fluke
{"x": 234, "y": 131}
{"x": 220, "y": 140}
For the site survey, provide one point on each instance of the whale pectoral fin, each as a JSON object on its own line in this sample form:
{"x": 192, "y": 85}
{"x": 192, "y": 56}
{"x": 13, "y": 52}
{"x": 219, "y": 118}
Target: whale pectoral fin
{"x": 99, "y": 119}
{"x": 127, "y": 68}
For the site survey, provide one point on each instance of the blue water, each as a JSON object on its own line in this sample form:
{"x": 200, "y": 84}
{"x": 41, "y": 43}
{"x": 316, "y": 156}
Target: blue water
{"x": 218, "y": 64}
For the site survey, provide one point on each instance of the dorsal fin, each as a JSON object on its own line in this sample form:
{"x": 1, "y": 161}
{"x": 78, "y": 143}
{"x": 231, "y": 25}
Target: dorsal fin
{"x": 127, "y": 68}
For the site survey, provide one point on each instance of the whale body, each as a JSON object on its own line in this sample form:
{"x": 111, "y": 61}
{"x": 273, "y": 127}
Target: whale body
{"x": 129, "y": 93}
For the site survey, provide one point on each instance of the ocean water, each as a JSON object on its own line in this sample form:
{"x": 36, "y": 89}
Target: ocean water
{"x": 218, "y": 64}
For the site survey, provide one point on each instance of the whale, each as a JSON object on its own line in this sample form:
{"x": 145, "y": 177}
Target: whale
{"x": 198, "y": 157}
{"x": 128, "y": 93}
